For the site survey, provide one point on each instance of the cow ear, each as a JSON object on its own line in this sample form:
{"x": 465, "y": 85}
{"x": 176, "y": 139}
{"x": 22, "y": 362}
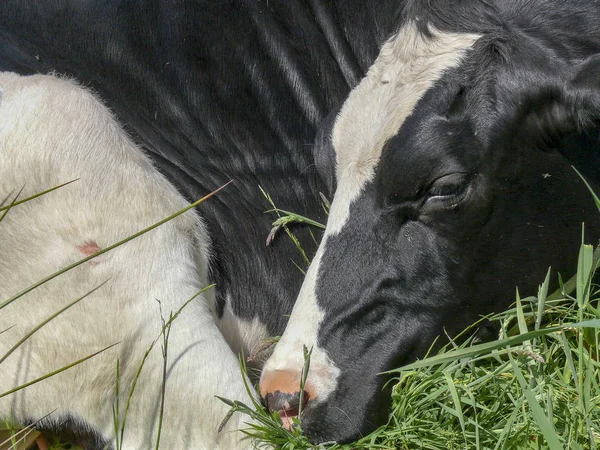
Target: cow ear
{"x": 581, "y": 146}
{"x": 581, "y": 96}
{"x": 324, "y": 153}
{"x": 564, "y": 105}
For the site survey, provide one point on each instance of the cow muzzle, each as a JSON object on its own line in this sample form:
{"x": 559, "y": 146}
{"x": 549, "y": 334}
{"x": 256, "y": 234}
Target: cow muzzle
{"x": 280, "y": 390}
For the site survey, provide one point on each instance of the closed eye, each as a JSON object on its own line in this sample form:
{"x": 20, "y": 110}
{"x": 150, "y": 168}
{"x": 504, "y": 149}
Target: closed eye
{"x": 448, "y": 191}
{"x": 445, "y": 192}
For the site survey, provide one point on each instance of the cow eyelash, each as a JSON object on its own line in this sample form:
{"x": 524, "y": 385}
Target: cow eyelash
{"x": 445, "y": 190}
{"x": 449, "y": 190}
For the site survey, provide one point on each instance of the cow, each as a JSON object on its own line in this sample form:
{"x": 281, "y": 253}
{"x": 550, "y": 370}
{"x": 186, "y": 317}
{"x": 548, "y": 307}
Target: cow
{"x": 143, "y": 107}
{"x": 454, "y": 184}
{"x": 45, "y": 122}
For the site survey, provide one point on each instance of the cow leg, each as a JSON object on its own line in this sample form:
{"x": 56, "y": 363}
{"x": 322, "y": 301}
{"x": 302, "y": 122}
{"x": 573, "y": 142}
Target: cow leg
{"x": 53, "y": 131}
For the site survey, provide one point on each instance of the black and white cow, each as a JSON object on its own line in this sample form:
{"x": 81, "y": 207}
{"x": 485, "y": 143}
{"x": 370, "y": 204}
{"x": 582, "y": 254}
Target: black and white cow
{"x": 454, "y": 185}
{"x": 153, "y": 104}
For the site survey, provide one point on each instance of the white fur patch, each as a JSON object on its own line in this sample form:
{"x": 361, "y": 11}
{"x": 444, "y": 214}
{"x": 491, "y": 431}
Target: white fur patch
{"x": 301, "y": 332}
{"x": 407, "y": 66}
{"x": 240, "y": 334}
{"x": 53, "y": 131}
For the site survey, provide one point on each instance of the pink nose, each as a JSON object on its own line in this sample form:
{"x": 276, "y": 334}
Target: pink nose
{"x": 280, "y": 390}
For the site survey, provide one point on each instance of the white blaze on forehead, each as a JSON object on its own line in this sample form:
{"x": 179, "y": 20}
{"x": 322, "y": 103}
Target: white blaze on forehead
{"x": 407, "y": 66}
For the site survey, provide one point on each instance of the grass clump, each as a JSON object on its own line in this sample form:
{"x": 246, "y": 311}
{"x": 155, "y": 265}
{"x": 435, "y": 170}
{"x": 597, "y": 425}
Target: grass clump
{"x": 540, "y": 393}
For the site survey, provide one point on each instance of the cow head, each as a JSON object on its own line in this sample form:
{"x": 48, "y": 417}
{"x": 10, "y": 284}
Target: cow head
{"x": 452, "y": 189}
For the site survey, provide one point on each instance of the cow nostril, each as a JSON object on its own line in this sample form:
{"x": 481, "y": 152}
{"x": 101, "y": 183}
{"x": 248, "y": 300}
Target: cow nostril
{"x": 280, "y": 392}
{"x": 286, "y": 403}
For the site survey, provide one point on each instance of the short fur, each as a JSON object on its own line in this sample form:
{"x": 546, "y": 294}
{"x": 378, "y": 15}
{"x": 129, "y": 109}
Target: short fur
{"x": 45, "y": 122}
{"x": 216, "y": 91}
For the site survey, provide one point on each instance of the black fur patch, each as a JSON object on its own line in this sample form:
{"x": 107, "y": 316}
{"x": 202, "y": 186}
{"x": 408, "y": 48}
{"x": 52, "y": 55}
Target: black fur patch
{"x": 216, "y": 91}
{"x": 75, "y": 431}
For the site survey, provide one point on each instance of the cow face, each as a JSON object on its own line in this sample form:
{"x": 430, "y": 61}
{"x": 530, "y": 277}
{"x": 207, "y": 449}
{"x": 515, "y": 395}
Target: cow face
{"x": 450, "y": 192}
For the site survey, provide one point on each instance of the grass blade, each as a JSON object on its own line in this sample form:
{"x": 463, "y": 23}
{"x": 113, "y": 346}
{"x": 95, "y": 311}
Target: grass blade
{"x": 46, "y": 321}
{"x": 111, "y": 247}
{"x": 56, "y": 372}
{"x": 456, "y": 401}
{"x": 39, "y": 194}
{"x": 145, "y": 357}
{"x": 540, "y": 418}
{"x": 487, "y": 347}
{"x": 6, "y": 209}
{"x": 542, "y": 295}
{"x": 594, "y": 196}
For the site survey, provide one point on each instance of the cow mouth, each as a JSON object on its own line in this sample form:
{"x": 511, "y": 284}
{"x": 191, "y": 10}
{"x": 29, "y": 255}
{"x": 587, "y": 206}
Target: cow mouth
{"x": 287, "y": 406}
{"x": 287, "y": 416}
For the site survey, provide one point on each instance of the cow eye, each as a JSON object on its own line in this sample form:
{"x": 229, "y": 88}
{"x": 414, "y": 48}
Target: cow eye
{"x": 448, "y": 190}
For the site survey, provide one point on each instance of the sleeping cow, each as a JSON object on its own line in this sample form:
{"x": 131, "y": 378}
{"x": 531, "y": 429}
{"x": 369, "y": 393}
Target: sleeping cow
{"x": 454, "y": 185}
{"x": 154, "y": 104}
